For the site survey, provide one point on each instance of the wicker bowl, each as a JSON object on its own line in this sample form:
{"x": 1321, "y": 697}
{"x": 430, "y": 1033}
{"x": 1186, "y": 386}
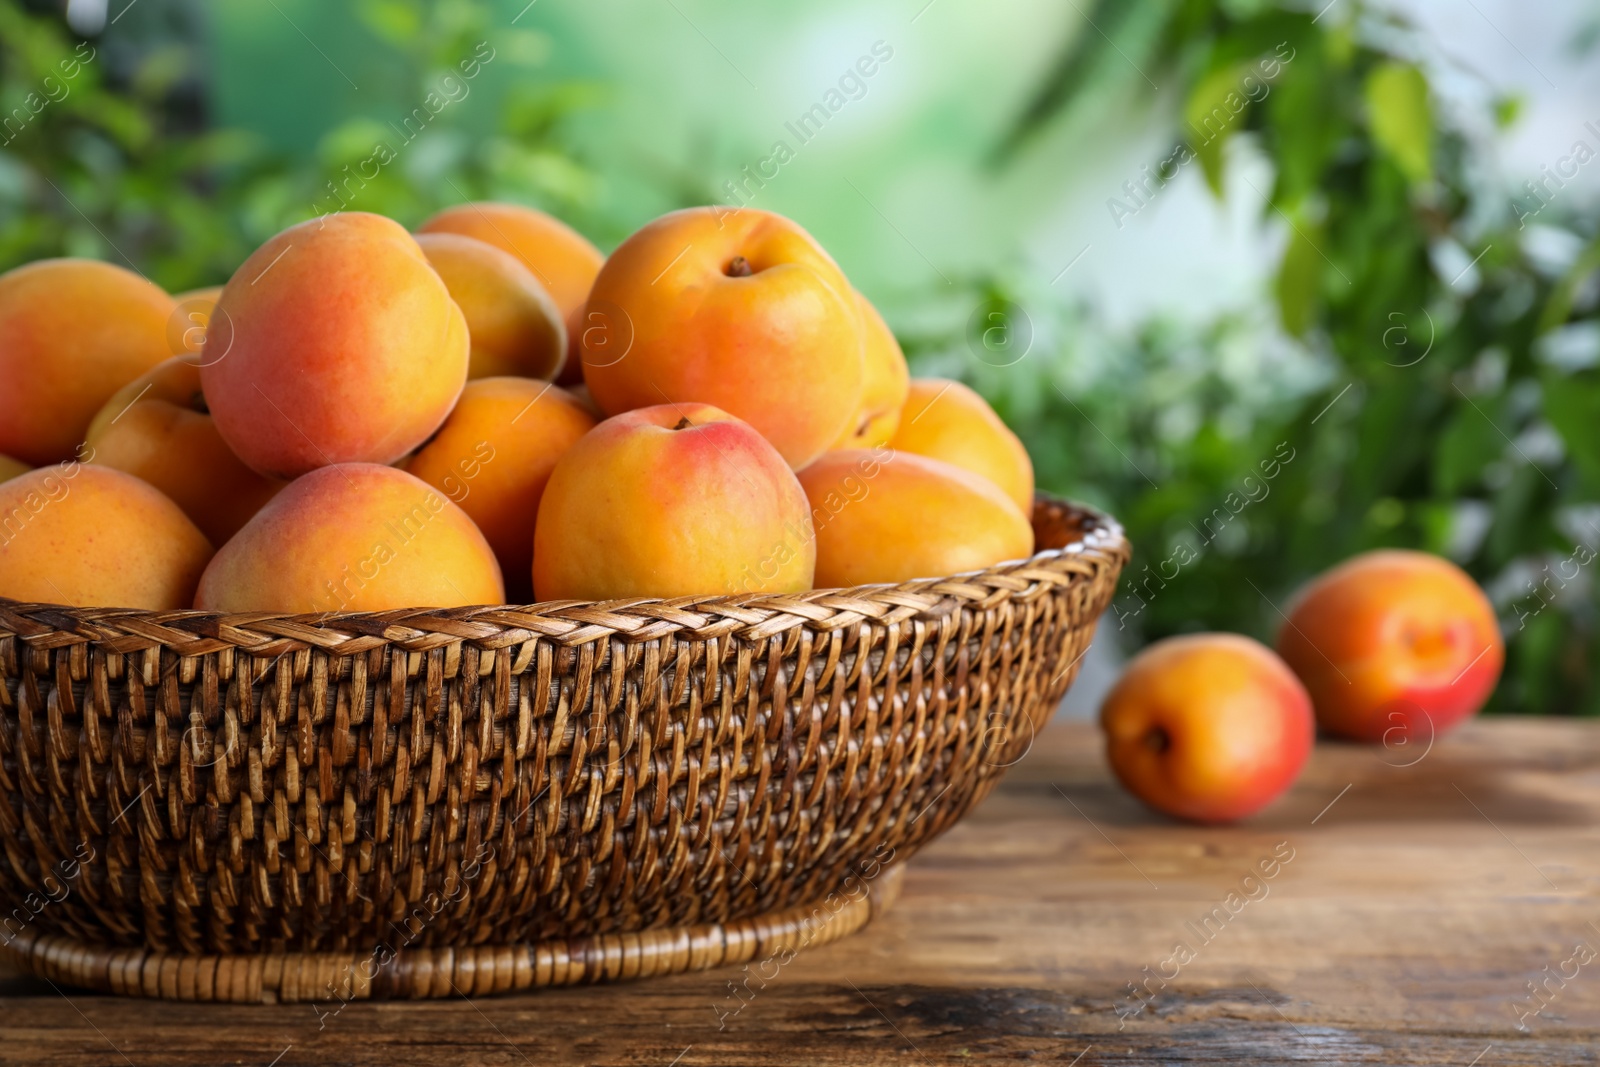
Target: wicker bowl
{"x": 428, "y": 803}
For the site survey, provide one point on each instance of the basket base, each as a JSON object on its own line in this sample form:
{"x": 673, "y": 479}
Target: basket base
{"x": 335, "y": 978}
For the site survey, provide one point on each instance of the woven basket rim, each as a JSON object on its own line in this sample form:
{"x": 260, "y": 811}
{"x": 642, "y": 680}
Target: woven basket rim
{"x": 570, "y": 622}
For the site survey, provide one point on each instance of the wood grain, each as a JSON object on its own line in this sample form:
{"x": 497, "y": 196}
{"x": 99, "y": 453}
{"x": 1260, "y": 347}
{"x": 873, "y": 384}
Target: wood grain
{"x": 1403, "y": 930}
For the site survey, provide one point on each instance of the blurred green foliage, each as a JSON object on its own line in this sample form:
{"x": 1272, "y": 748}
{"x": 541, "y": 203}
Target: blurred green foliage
{"x": 1435, "y": 383}
{"x": 107, "y": 163}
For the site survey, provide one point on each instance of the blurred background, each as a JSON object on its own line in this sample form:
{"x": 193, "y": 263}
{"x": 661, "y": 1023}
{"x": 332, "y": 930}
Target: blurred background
{"x": 1273, "y": 283}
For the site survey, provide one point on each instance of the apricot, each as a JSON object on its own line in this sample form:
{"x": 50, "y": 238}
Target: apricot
{"x": 1394, "y": 646}
{"x": 72, "y": 332}
{"x": 186, "y": 331}
{"x": 200, "y": 298}
{"x": 335, "y": 342}
{"x": 887, "y": 516}
{"x": 744, "y": 311}
{"x": 671, "y": 500}
{"x": 946, "y": 420}
{"x": 580, "y": 393}
{"x": 96, "y": 537}
{"x": 157, "y": 427}
{"x": 10, "y": 468}
{"x": 563, "y": 260}
{"x": 885, "y": 383}
{"x": 514, "y": 325}
{"x": 494, "y": 455}
{"x": 1207, "y": 727}
{"x": 353, "y": 537}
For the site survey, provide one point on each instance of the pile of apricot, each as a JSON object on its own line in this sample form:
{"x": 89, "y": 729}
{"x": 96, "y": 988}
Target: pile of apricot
{"x": 365, "y": 419}
{"x": 1391, "y": 647}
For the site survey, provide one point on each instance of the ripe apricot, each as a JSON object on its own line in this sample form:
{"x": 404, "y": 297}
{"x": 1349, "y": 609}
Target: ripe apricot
{"x": 671, "y": 500}
{"x": 494, "y": 455}
{"x": 884, "y": 387}
{"x": 10, "y": 468}
{"x": 96, "y": 537}
{"x": 564, "y": 261}
{"x": 946, "y": 420}
{"x": 1394, "y": 646}
{"x": 72, "y": 332}
{"x": 200, "y": 298}
{"x": 1207, "y": 727}
{"x": 744, "y": 311}
{"x": 334, "y": 342}
{"x": 157, "y": 427}
{"x": 353, "y": 537}
{"x": 186, "y": 331}
{"x": 887, "y": 516}
{"x": 514, "y": 325}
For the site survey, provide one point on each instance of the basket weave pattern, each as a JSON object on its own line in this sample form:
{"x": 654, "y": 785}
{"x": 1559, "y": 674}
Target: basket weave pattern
{"x": 504, "y": 776}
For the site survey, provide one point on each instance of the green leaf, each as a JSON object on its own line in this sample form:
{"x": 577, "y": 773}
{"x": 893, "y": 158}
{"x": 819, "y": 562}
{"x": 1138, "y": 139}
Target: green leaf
{"x": 1401, "y": 119}
{"x": 1113, "y": 46}
{"x": 1214, "y": 111}
{"x": 1299, "y": 283}
{"x": 1303, "y": 128}
{"x": 1468, "y": 444}
{"x": 1570, "y": 403}
{"x": 395, "y": 21}
{"x": 1507, "y": 109}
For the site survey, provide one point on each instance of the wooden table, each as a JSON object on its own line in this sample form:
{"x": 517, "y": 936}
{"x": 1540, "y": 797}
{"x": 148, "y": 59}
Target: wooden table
{"x": 1408, "y": 909}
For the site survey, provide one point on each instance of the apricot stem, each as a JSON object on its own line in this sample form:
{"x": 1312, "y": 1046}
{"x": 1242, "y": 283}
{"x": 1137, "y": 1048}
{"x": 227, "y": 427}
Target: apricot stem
{"x": 683, "y": 423}
{"x": 739, "y": 267}
{"x": 1156, "y": 739}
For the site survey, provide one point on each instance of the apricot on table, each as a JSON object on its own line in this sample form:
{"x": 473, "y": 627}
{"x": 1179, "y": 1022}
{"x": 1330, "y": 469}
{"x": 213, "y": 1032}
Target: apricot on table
{"x": 514, "y": 325}
{"x": 887, "y": 516}
{"x": 72, "y": 332}
{"x": 157, "y": 427}
{"x": 1394, "y": 646}
{"x": 671, "y": 500}
{"x": 353, "y": 537}
{"x": 564, "y": 261}
{"x": 743, "y": 311}
{"x": 96, "y": 537}
{"x": 494, "y": 455}
{"x": 1207, "y": 727}
{"x": 885, "y": 383}
{"x": 946, "y": 420}
{"x": 335, "y": 342}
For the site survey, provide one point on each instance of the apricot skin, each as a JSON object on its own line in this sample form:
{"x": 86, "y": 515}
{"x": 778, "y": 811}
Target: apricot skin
{"x": 514, "y": 325}
{"x": 1207, "y": 727}
{"x": 494, "y": 455}
{"x": 779, "y": 347}
{"x": 335, "y": 342}
{"x": 564, "y": 261}
{"x": 186, "y": 333}
{"x": 886, "y": 381}
{"x": 1394, "y": 646}
{"x": 353, "y": 537}
{"x": 72, "y": 332}
{"x": 886, "y": 516}
{"x": 671, "y": 500}
{"x": 96, "y": 537}
{"x": 157, "y": 428}
{"x": 204, "y": 299}
{"x": 946, "y": 420}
